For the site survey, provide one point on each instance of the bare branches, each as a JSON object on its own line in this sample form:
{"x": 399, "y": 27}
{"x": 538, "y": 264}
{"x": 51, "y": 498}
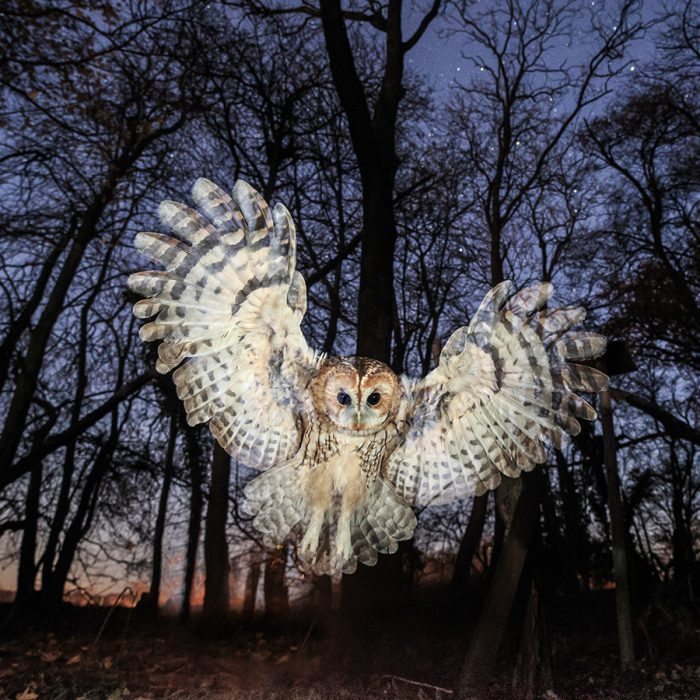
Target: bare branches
{"x": 372, "y": 16}
{"x": 57, "y": 440}
{"x": 673, "y": 425}
{"x": 425, "y": 22}
{"x": 517, "y": 114}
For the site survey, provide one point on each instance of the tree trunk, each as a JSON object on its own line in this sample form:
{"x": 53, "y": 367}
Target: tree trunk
{"x": 251, "y": 591}
{"x": 375, "y": 314}
{"x": 58, "y": 522}
{"x": 533, "y": 672}
{"x": 373, "y": 135}
{"x": 26, "y": 573}
{"x": 469, "y": 544}
{"x": 275, "y": 589}
{"x": 63, "y": 502}
{"x": 195, "y": 523}
{"x": 153, "y": 600}
{"x": 30, "y": 366}
{"x": 32, "y": 361}
{"x": 623, "y": 604}
{"x": 563, "y": 546}
{"x": 575, "y": 539}
{"x": 216, "y": 557}
{"x": 54, "y": 581}
{"x": 682, "y": 537}
{"x": 374, "y": 143}
{"x": 487, "y": 636}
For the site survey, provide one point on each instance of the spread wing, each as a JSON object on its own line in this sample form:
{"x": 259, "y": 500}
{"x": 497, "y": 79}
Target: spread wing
{"x": 503, "y": 389}
{"x": 229, "y": 304}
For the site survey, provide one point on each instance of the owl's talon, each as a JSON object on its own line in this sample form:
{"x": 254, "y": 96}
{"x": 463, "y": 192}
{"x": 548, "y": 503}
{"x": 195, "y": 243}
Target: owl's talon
{"x": 308, "y": 548}
{"x": 343, "y": 550}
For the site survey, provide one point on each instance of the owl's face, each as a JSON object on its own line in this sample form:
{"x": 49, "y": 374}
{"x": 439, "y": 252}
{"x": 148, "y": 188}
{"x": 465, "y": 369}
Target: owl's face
{"x": 356, "y": 394}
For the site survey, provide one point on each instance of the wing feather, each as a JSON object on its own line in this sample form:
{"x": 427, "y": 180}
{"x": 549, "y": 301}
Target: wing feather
{"x": 229, "y": 305}
{"x": 503, "y": 390}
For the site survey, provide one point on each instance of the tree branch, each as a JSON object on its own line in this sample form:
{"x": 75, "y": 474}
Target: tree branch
{"x": 322, "y": 271}
{"x": 424, "y": 24}
{"x": 54, "y": 442}
{"x": 673, "y": 425}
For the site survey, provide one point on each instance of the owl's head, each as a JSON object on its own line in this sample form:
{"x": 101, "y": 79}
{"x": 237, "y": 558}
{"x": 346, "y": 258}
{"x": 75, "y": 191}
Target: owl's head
{"x": 356, "y": 394}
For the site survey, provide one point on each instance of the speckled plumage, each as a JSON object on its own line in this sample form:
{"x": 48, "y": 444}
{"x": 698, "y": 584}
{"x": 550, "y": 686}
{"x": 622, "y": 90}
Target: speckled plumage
{"x": 348, "y": 446}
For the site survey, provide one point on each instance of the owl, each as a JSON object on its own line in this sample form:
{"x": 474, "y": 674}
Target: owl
{"x": 346, "y": 446}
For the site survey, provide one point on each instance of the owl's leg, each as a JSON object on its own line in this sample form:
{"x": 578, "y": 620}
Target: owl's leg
{"x": 317, "y": 492}
{"x": 342, "y": 551}
{"x": 343, "y": 541}
{"x": 309, "y": 543}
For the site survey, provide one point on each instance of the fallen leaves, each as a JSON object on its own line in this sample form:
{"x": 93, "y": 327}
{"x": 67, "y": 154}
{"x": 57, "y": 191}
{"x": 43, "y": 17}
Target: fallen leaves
{"x": 29, "y": 693}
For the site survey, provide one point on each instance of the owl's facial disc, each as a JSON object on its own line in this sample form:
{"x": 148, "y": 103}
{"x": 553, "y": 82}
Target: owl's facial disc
{"x": 358, "y": 402}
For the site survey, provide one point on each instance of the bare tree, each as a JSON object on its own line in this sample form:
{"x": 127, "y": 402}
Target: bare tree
{"x": 647, "y": 146}
{"x": 515, "y": 118}
{"x": 94, "y": 151}
{"x": 216, "y": 554}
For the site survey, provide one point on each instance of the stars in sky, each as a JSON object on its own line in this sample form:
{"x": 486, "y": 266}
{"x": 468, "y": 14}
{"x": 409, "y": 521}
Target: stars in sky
{"x": 444, "y": 59}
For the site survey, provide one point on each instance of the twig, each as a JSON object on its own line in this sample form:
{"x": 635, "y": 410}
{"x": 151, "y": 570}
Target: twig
{"x": 109, "y": 614}
{"x": 308, "y": 634}
{"x": 436, "y": 688}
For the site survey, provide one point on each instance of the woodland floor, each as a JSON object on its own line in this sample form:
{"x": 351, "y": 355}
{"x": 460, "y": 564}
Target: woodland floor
{"x": 417, "y": 658}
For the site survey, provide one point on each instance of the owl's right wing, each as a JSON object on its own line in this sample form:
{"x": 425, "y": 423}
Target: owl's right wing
{"x": 229, "y": 304}
{"x": 503, "y": 390}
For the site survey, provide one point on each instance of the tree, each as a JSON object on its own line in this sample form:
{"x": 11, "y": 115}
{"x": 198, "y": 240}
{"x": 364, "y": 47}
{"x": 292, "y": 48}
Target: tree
{"x": 101, "y": 142}
{"x": 515, "y": 119}
{"x": 216, "y": 555}
{"x": 644, "y": 146}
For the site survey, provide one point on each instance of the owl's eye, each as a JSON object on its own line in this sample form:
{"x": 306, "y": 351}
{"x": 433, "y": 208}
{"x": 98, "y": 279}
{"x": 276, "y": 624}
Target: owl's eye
{"x": 344, "y": 399}
{"x": 373, "y": 399}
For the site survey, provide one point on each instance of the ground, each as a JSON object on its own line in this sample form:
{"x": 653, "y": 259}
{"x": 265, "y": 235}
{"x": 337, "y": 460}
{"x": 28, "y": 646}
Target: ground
{"x": 419, "y": 657}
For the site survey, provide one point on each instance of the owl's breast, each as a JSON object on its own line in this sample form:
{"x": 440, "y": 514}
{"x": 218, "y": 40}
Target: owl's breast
{"x": 345, "y": 473}
{"x": 347, "y": 456}
{"x": 330, "y": 466}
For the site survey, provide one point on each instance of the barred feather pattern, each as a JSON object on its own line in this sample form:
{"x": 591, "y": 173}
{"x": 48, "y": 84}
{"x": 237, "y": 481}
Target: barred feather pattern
{"x": 276, "y": 502}
{"x": 229, "y": 304}
{"x": 282, "y": 509}
{"x": 503, "y": 390}
{"x": 347, "y": 445}
{"x": 328, "y": 496}
{"x": 380, "y": 523}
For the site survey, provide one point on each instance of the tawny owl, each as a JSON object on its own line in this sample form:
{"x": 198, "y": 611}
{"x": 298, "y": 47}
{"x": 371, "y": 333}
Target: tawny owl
{"x": 347, "y": 445}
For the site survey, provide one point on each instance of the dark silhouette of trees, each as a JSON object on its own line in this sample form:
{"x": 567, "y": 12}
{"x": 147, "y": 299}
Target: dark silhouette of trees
{"x": 159, "y": 530}
{"x": 515, "y": 121}
{"x": 216, "y": 554}
{"x": 408, "y": 203}
{"x": 648, "y": 147}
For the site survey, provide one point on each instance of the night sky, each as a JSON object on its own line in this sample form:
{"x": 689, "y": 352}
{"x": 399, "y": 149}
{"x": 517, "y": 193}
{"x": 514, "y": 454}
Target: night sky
{"x": 443, "y": 57}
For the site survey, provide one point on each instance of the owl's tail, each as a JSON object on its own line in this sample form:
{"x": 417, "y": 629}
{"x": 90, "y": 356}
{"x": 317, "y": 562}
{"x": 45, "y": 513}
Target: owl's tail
{"x": 380, "y": 522}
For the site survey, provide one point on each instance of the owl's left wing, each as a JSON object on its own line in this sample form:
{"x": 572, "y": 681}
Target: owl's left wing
{"x": 503, "y": 389}
{"x": 229, "y": 304}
